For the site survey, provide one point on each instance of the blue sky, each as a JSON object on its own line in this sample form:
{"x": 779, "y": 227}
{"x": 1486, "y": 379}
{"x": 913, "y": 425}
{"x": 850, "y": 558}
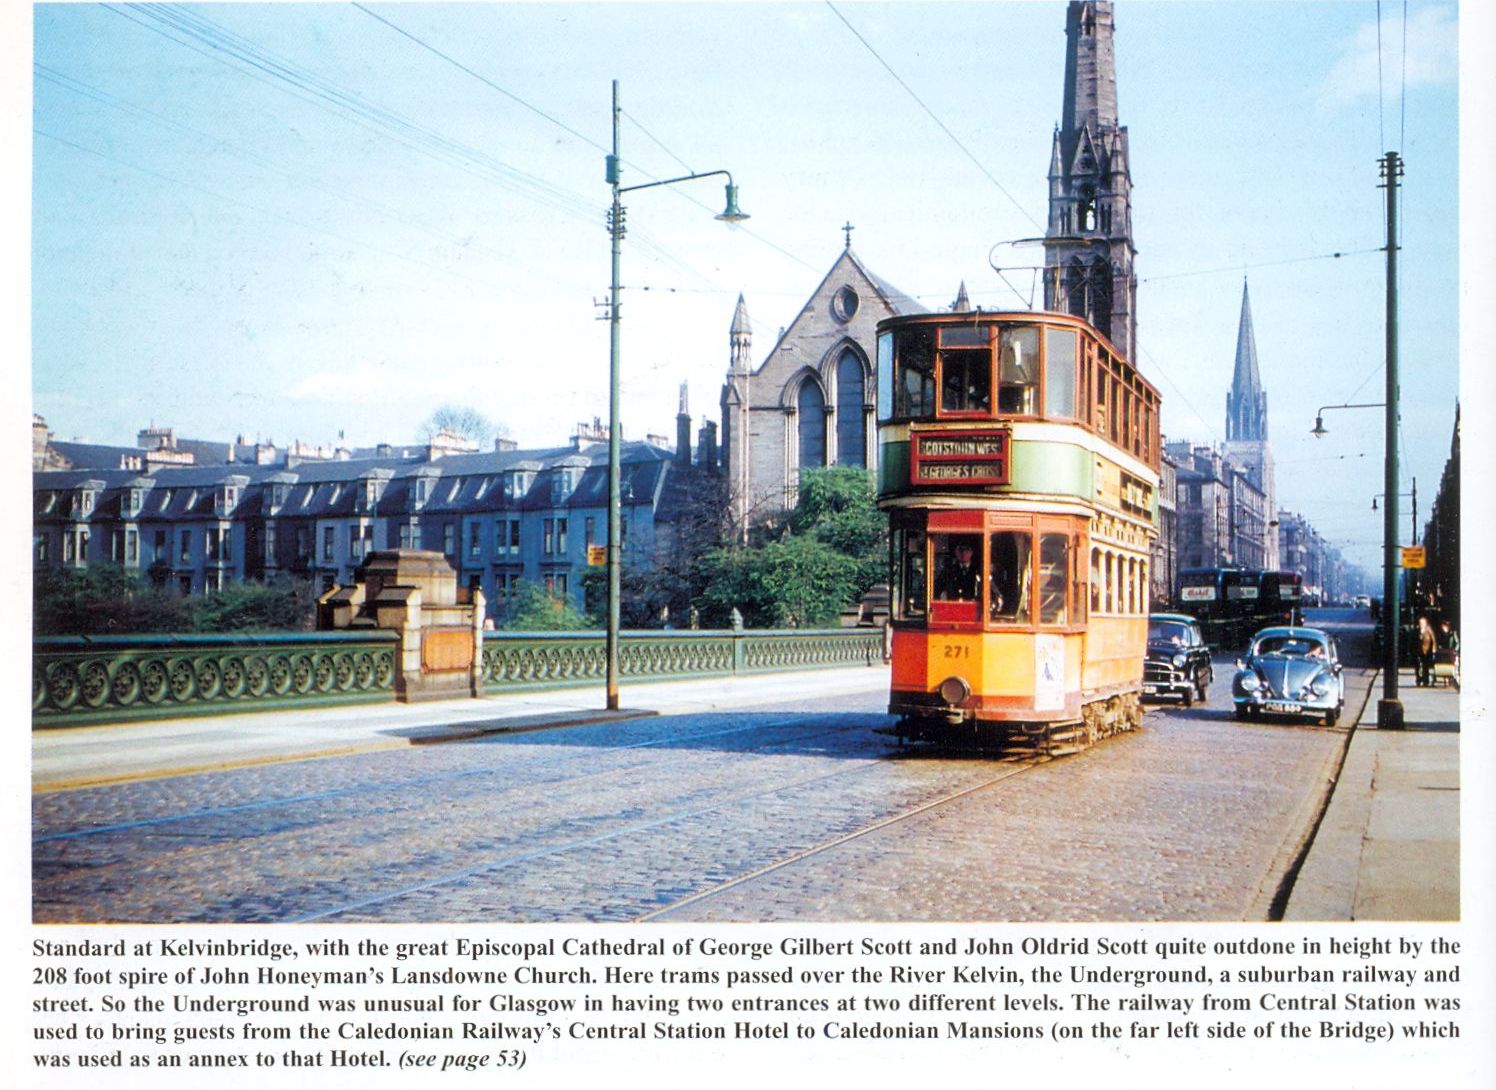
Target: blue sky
{"x": 291, "y": 221}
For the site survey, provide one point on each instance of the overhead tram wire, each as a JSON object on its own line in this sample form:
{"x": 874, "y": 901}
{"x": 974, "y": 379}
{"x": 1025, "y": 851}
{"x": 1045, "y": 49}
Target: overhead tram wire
{"x": 85, "y": 90}
{"x": 220, "y": 45}
{"x": 313, "y": 89}
{"x": 1263, "y": 264}
{"x": 682, "y": 194}
{"x": 643, "y": 239}
{"x": 480, "y": 78}
{"x": 319, "y": 228}
{"x": 942, "y": 125}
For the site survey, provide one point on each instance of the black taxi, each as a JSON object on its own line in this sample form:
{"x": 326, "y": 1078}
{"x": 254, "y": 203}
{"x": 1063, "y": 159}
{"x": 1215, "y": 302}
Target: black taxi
{"x": 1177, "y": 663}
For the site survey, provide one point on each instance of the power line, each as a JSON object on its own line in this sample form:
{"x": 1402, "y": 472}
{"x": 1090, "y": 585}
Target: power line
{"x": 1264, "y": 264}
{"x": 480, "y": 78}
{"x": 942, "y": 125}
{"x": 320, "y": 228}
{"x": 79, "y": 87}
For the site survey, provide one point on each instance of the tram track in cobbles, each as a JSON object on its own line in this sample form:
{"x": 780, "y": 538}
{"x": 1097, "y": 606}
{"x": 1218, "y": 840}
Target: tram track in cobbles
{"x": 362, "y": 787}
{"x": 131, "y": 855}
{"x": 152, "y": 858}
{"x": 689, "y": 877}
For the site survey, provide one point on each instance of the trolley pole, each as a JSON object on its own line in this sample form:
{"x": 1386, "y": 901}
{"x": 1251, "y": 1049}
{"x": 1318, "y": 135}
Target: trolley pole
{"x": 1389, "y": 707}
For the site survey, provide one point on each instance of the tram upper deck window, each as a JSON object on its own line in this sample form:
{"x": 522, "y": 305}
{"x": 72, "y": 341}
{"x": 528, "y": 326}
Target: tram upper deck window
{"x": 1018, "y": 371}
{"x": 1059, "y": 372}
{"x": 914, "y": 366}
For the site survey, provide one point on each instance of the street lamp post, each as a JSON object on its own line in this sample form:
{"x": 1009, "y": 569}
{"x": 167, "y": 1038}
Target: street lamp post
{"x": 1319, "y": 431}
{"x": 730, "y": 214}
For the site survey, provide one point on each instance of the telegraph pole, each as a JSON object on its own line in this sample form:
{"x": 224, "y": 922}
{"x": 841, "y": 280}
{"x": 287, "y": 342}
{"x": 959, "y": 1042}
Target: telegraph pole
{"x": 1389, "y": 707}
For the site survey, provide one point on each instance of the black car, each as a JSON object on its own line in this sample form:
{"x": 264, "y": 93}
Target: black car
{"x": 1178, "y": 661}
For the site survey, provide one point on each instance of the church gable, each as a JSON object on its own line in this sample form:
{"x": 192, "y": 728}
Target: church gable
{"x": 846, "y": 307}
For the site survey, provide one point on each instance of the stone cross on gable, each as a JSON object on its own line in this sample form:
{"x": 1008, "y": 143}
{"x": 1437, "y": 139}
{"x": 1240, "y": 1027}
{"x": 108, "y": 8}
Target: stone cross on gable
{"x": 848, "y": 229}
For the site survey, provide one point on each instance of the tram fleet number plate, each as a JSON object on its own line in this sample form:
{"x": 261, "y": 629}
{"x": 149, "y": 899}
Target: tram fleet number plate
{"x": 959, "y": 457}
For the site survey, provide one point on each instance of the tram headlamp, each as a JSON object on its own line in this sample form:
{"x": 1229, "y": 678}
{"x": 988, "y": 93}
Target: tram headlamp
{"x": 954, "y": 691}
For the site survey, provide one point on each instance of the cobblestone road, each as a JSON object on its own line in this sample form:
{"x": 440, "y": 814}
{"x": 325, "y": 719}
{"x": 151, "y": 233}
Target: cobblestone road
{"x": 1194, "y": 818}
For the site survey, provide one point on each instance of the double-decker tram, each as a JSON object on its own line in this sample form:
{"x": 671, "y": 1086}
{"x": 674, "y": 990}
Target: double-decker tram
{"x": 1019, "y": 469}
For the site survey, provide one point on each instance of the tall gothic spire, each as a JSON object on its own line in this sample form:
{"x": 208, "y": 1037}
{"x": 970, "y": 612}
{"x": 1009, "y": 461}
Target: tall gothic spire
{"x": 1246, "y": 404}
{"x": 1088, "y": 245}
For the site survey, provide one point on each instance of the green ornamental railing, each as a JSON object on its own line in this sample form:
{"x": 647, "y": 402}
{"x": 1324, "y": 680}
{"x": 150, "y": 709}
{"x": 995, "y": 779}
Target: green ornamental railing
{"x": 91, "y": 679}
{"x": 78, "y": 680}
{"x": 538, "y": 660}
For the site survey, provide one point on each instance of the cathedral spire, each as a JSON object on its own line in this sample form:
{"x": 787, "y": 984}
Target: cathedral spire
{"x": 1246, "y": 404}
{"x": 1088, "y": 248}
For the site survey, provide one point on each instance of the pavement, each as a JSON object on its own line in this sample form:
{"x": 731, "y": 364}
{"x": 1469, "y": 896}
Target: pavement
{"x": 1386, "y": 848}
{"x": 1388, "y": 844}
{"x": 70, "y": 757}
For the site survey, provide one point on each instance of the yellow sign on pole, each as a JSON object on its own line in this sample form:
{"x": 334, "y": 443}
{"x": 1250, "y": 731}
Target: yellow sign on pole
{"x": 1413, "y": 556}
{"x": 597, "y": 555}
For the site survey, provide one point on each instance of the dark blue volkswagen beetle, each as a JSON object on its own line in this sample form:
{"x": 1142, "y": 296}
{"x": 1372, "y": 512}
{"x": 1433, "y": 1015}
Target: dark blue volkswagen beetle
{"x": 1290, "y": 671}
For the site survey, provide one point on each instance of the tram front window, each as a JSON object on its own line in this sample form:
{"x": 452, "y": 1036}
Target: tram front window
{"x": 1018, "y": 364}
{"x": 1010, "y": 568}
{"x": 966, "y": 380}
{"x": 958, "y": 567}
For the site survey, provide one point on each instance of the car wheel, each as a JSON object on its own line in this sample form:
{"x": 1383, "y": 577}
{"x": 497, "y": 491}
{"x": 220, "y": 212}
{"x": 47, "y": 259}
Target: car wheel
{"x": 1243, "y": 712}
{"x": 1332, "y": 717}
{"x": 1187, "y": 697}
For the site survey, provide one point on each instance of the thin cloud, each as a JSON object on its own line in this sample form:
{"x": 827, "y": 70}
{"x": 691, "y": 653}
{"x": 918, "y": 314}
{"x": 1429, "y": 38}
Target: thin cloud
{"x": 1432, "y": 57}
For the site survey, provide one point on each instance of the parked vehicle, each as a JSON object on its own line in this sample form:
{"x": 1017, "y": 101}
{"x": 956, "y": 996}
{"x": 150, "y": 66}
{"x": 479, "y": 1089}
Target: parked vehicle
{"x": 1290, "y": 671}
{"x": 1177, "y": 662}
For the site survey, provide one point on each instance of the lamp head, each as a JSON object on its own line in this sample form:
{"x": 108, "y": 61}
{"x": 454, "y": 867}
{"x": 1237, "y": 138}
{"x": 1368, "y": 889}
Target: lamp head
{"x": 1319, "y": 427}
{"x": 732, "y": 214}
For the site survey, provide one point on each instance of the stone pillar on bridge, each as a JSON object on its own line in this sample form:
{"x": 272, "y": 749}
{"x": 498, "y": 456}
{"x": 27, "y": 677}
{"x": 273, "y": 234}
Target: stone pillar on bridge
{"x": 414, "y": 593}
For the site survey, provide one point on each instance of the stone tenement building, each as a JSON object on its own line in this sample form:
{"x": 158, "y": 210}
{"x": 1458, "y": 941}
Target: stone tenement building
{"x": 499, "y": 516}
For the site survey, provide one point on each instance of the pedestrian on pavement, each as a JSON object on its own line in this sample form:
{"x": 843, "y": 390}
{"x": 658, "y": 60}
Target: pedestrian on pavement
{"x": 1427, "y": 645}
{"x": 1448, "y": 636}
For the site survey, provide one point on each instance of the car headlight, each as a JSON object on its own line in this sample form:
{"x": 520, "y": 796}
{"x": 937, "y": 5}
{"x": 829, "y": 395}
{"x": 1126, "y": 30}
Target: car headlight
{"x": 1180, "y": 660}
{"x": 1251, "y": 682}
{"x": 1321, "y": 686}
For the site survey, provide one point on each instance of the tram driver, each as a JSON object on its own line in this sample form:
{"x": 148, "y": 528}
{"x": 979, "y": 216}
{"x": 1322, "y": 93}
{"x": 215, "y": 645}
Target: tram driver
{"x": 960, "y": 572}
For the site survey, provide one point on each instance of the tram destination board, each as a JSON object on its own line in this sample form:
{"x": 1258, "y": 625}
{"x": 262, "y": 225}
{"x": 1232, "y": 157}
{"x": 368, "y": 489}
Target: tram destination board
{"x": 959, "y": 457}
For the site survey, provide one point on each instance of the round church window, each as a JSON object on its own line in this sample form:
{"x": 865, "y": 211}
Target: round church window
{"x": 844, "y": 304}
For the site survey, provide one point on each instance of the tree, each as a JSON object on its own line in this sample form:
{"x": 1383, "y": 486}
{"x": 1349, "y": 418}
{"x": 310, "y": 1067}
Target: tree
{"x": 463, "y": 421}
{"x": 830, "y": 553}
{"x": 531, "y": 608}
{"x": 106, "y": 599}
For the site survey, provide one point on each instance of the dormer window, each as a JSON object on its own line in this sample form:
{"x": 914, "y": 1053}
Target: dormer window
{"x": 332, "y": 498}
{"x": 132, "y": 501}
{"x": 422, "y": 485}
{"x": 452, "y": 492}
{"x": 278, "y": 494}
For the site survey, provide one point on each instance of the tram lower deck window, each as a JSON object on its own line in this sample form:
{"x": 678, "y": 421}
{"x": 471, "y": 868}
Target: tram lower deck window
{"x": 1011, "y": 576}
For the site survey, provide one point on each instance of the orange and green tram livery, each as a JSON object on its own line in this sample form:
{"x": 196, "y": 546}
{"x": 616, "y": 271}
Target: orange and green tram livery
{"x": 1019, "y": 469}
